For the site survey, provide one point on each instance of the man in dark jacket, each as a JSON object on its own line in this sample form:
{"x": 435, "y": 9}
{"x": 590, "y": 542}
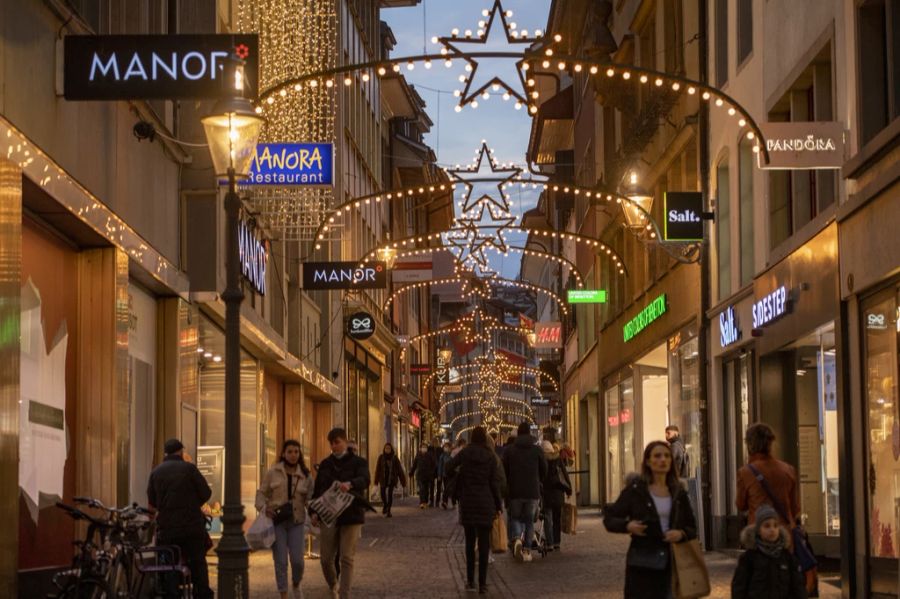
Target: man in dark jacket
{"x": 526, "y": 468}
{"x": 679, "y": 454}
{"x": 424, "y": 468}
{"x": 177, "y": 491}
{"x": 352, "y": 472}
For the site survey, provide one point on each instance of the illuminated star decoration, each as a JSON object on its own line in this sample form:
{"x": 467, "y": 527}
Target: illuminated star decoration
{"x": 483, "y": 220}
{"x": 513, "y": 36}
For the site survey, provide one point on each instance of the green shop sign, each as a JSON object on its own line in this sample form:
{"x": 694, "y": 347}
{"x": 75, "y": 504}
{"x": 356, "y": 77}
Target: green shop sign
{"x": 640, "y": 322}
{"x": 586, "y": 296}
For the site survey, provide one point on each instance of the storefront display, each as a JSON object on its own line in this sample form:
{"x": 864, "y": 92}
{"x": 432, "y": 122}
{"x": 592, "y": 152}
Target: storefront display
{"x": 211, "y": 364}
{"x": 881, "y": 333}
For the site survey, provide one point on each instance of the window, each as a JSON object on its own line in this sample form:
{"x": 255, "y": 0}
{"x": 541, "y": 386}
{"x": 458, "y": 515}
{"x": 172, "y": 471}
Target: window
{"x": 744, "y": 29}
{"x": 674, "y": 36}
{"x": 882, "y": 346}
{"x": 745, "y": 174}
{"x": 723, "y": 231}
{"x": 721, "y": 24}
{"x": 878, "y": 22}
{"x": 797, "y": 197}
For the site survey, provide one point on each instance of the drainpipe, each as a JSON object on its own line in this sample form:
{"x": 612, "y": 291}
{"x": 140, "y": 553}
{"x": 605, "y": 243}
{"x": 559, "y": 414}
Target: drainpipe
{"x": 703, "y": 329}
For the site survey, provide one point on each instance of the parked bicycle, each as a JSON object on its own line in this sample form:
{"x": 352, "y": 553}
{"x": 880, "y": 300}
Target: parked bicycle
{"x": 116, "y": 557}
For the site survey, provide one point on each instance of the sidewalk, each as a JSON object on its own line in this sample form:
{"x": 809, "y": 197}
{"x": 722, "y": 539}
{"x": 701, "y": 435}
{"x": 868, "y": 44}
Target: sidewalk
{"x": 420, "y": 554}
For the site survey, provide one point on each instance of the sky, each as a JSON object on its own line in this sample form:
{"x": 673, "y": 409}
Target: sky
{"x": 457, "y": 136}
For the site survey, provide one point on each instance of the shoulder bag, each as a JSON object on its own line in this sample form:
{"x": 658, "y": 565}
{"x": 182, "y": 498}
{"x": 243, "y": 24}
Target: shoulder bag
{"x": 562, "y": 481}
{"x": 285, "y": 511}
{"x": 802, "y": 550}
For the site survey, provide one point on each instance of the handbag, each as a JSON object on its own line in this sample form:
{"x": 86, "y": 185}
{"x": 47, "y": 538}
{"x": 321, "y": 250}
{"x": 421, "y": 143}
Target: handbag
{"x": 802, "y": 549}
{"x": 499, "y": 539}
{"x": 285, "y": 511}
{"x": 647, "y": 557}
{"x": 562, "y": 481}
{"x": 690, "y": 577}
{"x": 569, "y": 518}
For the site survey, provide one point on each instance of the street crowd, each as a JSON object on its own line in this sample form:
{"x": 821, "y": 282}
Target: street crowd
{"x": 514, "y": 497}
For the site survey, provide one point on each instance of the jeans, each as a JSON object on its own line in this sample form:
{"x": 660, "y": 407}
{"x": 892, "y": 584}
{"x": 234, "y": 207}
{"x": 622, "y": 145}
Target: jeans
{"x": 193, "y": 554}
{"x": 438, "y": 491}
{"x": 521, "y": 515}
{"x": 343, "y": 539}
{"x": 387, "y": 498}
{"x": 482, "y": 534}
{"x": 424, "y": 491}
{"x": 553, "y": 525}
{"x": 290, "y": 539}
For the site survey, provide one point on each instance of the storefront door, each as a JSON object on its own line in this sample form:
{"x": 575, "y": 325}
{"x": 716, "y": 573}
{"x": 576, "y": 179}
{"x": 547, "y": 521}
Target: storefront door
{"x": 881, "y": 328}
{"x": 736, "y": 379}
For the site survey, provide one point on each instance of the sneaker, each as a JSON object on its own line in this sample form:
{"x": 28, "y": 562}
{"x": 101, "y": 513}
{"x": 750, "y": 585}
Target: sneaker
{"x": 491, "y": 558}
{"x": 556, "y": 548}
{"x": 443, "y": 506}
{"x": 389, "y": 515}
{"x": 526, "y": 555}
{"x": 298, "y": 592}
{"x": 470, "y": 587}
{"x": 482, "y": 590}
{"x": 422, "y": 506}
{"x": 517, "y": 549}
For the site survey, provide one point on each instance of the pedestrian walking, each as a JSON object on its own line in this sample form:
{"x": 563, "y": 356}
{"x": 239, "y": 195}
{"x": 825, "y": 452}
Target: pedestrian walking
{"x": 460, "y": 443}
{"x": 655, "y": 509}
{"x": 557, "y": 485}
{"x": 767, "y": 569}
{"x": 442, "y": 462}
{"x": 177, "y": 491}
{"x": 352, "y": 472}
{"x": 779, "y": 489}
{"x": 680, "y": 456}
{"x": 388, "y": 473}
{"x": 435, "y": 450}
{"x": 424, "y": 468}
{"x": 498, "y": 446}
{"x": 282, "y": 497}
{"x": 479, "y": 502}
{"x": 526, "y": 468}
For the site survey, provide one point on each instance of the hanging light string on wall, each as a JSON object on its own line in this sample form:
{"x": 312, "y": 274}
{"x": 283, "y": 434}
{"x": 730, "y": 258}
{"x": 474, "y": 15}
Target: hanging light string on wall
{"x": 514, "y": 368}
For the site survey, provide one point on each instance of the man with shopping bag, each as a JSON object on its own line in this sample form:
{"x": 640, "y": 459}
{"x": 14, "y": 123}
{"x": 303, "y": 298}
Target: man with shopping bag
{"x": 339, "y": 499}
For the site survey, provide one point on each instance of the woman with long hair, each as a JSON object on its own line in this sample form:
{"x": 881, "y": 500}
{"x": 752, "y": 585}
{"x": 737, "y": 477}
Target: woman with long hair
{"x": 282, "y": 496}
{"x": 388, "y": 473}
{"x": 655, "y": 509}
{"x": 478, "y": 490}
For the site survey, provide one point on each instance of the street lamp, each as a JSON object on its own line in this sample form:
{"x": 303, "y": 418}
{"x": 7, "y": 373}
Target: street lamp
{"x": 232, "y": 131}
{"x": 637, "y": 208}
{"x": 388, "y": 255}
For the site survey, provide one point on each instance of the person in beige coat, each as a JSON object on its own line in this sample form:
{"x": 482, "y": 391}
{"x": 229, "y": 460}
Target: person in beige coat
{"x": 285, "y": 490}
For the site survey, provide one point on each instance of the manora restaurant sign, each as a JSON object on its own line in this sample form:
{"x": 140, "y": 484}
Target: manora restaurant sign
{"x": 292, "y": 165}
{"x": 804, "y": 145}
{"x": 143, "y": 67}
{"x": 654, "y": 310}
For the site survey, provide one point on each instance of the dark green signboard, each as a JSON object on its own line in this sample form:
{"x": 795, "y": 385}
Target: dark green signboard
{"x": 654, "y": 310}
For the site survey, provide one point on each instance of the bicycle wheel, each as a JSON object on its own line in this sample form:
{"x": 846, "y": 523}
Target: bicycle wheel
{"x": 86, "y": 588}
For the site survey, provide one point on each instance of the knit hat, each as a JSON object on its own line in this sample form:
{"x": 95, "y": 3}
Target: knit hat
{"x": 765, "y": 512}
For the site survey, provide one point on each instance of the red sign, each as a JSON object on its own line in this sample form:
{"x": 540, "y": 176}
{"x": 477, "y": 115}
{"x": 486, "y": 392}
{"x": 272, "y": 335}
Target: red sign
{"x": 420, "y": 368}
{"x": 548, "y": 335}
{"x": 415, "y": 419}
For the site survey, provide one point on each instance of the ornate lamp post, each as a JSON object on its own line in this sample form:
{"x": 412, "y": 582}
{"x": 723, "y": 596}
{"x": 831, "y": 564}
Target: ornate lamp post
{"x": 637, "y": 209}
{"x": 232, "y": 131}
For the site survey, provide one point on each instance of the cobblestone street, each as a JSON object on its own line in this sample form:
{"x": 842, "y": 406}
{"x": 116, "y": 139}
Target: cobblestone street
{"x": 419, "y": 554}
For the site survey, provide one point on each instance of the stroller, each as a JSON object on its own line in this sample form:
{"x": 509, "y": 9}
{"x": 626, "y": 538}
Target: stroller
{"x": 540, "y": 543}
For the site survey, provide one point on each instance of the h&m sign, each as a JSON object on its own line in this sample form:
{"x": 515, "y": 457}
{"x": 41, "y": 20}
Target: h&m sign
{"x": 254, "y": 257}
{"x": 344, "y": 275}
{"x": 143, "y": 67}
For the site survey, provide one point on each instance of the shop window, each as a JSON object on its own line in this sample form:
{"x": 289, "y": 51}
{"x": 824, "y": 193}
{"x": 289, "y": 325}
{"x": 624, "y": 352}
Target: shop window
{"x": 211, "y": 449}
{"x": 736, "y": 380}
{"x": 723, "y": 228}
{"x": 881, "y": 331}
{"x": 744, "y": 29}
{"x": 745, "y": 175}
{"x": 878, "y": 22}
{"x": 721, "y": 24}
{"x": 798, "y": 196}
{"x": 684, "y": 395}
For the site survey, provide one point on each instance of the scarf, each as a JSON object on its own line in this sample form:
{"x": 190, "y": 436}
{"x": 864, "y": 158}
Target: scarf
{"x": 770, "y": 549}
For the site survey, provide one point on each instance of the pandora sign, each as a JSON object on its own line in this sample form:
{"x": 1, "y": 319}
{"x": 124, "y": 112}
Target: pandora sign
{"x": 135, "y": 67}
{"x": 804, "y": 145}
